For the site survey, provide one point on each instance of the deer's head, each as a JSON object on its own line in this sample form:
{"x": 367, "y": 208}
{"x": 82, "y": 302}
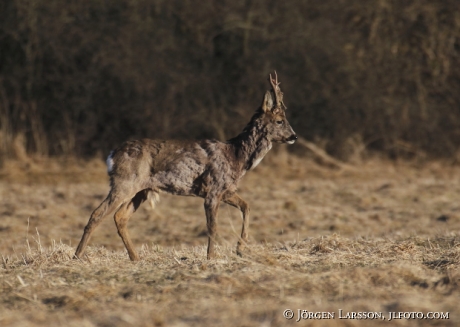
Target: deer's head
{"x": 274, "y": 115}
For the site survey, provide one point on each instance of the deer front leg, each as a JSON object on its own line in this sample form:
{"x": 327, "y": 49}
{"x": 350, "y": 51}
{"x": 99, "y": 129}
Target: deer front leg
{"x": 236, "y": 201}
{"x": 211, "y": 206}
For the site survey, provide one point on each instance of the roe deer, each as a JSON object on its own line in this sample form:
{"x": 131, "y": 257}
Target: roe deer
{"x": 140, "y": 170}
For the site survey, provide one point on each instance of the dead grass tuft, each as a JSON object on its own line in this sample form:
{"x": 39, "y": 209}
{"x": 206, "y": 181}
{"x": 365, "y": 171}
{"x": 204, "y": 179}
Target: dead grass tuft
{"x": 178, "y": 286}
{"x": 406, "y": 260}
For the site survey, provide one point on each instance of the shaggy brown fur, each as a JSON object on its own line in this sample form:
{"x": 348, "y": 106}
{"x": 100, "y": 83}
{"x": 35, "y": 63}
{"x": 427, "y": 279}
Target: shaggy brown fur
{"x": 209, "y": 169}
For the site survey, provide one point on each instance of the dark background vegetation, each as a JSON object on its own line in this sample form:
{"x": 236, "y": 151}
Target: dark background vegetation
{"x": 79, "y": 77}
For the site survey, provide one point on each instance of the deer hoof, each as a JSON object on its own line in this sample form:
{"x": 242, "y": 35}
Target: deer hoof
{"x": 239, "y": 250}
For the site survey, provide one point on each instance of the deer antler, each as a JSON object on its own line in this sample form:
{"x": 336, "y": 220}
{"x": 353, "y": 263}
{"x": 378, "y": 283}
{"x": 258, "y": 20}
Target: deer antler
{"x": 277, "y": 91}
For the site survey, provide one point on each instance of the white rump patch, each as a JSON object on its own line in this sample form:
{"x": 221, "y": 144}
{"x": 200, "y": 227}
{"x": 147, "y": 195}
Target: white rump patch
{"x": 109, "y": 162}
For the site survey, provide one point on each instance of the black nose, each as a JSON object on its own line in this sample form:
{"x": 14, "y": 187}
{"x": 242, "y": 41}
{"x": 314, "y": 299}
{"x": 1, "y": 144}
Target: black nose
{"x": 293, "y": 138}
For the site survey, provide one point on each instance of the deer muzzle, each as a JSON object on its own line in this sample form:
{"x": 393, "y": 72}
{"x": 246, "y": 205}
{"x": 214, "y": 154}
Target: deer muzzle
{"x": 292, "y": 139}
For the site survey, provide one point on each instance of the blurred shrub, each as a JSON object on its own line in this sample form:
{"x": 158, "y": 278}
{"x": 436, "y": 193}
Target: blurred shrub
{"x": 82, "y": 77}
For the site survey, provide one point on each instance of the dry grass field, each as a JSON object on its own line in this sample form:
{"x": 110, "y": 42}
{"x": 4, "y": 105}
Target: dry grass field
{"x": 383, "y": 237}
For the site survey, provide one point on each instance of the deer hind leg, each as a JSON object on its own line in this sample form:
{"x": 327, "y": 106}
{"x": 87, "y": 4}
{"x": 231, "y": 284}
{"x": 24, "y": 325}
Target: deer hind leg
{"x": 211, "y": 206}
{"x": 109, "y": 205}
{"x": 236, "y": 201}
{"x": 121, "y": 218}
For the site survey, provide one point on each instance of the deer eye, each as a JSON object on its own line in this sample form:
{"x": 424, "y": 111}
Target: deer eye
{"x": 279, "y": 122}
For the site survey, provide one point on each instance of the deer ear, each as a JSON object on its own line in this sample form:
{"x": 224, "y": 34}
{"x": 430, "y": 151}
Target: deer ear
{"x": 267, "y": 104}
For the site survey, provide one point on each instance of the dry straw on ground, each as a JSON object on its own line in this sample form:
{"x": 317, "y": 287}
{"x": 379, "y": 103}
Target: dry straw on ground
{"x": 380, "y": 238}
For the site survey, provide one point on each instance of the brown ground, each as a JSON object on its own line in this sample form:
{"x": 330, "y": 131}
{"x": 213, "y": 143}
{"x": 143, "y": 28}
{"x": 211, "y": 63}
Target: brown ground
{"x": 383, "y": 237}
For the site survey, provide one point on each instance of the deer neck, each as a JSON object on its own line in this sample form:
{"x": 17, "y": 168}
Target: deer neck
{"x": 251, "y": 146}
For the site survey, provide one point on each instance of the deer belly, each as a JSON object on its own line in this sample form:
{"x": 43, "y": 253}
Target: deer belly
{"x": 179, "y": 181}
